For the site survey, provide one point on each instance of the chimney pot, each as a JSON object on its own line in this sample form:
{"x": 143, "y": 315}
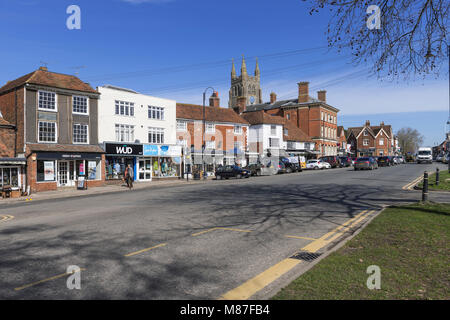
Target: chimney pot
{"x": 322, "y": 95}
{"x": 303, "y": 91}
{"x": 43, "y": 68}
{"x": 367, "y": 123}
{"x": 273, "y": 98}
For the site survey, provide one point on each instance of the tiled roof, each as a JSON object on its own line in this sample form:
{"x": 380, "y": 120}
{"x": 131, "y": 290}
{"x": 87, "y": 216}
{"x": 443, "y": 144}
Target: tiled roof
{"x": 372, "y": 129}
{"x": 295, "y": 134}
{"x": 49, "y": 79}
{"x": 64, "y": 148}
{"x": 261, "y": 117}
{"x": 212, "y": 114}
{"x": 284, "y": 104}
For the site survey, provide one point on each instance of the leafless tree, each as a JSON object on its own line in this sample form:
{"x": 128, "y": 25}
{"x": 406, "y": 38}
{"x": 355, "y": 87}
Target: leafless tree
{"x": 409, "y": 140}
{"x": 411, "y": 39}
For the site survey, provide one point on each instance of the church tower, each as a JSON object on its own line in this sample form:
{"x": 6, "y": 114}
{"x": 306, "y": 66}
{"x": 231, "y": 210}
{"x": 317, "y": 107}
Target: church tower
{"x": 245, "y": 86}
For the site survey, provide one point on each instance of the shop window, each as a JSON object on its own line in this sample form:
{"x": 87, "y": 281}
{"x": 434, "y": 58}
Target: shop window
{"x": 45, "y": 171}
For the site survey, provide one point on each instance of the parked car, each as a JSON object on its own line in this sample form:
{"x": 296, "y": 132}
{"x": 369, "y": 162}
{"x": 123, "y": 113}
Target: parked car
{"x": 326, "y": 165}
{"x": 425, "y": 154}
{"x": 384, "y": 162}
{"x": 315, "y": 164}
{"x": 368, "y": 163}
{"x": 346, "y": 161}
{"x": 231, "y": 171}
{"x": 332, "y": 160}
{"x": 254, "y": 168}
{"x": 290, "y": 166}
{"x": 281, "y": 167}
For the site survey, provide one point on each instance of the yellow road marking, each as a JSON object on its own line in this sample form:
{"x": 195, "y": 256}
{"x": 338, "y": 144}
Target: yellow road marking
{"x": 219, "y": 228}
{"x": 304, "y": 238}
{"x": 249, "y": 288}
{"x": 411, "y": 184}
{"x": 145, "y": 250}
{"x": 46, "y": 280}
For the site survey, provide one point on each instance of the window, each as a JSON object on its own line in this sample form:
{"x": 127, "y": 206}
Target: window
{"x": 10, "y": 176}
{"x": 80, "y": 105}
{"x": 47, "y": 100}
{"x": 124, "y": 108}
{"x": 124, "y": 133}
{"x": 288, "y": 116}
{"x": 45, "y": 171}
{"x": 286, "y": 132}
{"x": 381, "y": 142}
{"x": 366, "y": 133}
{"x": 182, "y": 142}
{"x": 273, "y": 142}
{"x": 155, "y": 135}
{"x": 273, "y": 130}
{"x": 46, "y": 131}
{"x": 80, "y": 133}
{"x": 210, "y": 127}
{"x": 321, "y": 131}
{"x": 237, "y": 129}
{"x": 365, "y": 142}
{"x": 238, "y": 145}
{"x": 181, "y": 125}
{"x": 156, "y": 113}
{"x": 210, "y": 144}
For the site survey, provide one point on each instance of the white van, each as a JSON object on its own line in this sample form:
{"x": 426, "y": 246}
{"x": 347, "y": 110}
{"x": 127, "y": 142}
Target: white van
{"x": 425, "y": 154}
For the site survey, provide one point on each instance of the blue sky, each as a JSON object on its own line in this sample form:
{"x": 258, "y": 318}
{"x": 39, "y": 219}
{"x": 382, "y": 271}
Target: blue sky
{"x": 177, "y": 48}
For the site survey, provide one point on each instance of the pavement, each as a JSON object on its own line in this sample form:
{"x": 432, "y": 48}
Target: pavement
{"x": 229, "y": 239}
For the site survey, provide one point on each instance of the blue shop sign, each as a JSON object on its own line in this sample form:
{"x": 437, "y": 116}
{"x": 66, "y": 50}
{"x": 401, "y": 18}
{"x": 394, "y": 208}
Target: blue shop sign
{"x": 151, "y": 150}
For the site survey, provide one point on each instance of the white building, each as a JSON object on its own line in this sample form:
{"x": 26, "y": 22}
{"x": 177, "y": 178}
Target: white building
{"x": 139, "y": 130}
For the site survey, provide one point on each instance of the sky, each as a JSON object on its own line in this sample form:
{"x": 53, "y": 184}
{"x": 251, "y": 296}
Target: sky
{"x": 177, "y": 48}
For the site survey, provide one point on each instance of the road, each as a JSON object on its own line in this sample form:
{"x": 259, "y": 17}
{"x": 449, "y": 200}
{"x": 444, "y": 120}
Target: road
{"x": 184, "y": 242}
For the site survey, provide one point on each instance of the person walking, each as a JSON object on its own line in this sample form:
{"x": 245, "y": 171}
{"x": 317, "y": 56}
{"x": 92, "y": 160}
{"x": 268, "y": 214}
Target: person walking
{"x": 129, "y": 175}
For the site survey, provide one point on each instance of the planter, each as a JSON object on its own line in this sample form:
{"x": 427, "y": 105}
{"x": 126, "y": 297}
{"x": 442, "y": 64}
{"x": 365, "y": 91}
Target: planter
{"x": 15, "y": 194}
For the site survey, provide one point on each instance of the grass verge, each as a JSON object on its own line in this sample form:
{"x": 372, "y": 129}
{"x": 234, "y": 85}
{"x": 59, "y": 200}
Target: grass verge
{"x": 409, "y": 243}
{"x": 443, "y": 184}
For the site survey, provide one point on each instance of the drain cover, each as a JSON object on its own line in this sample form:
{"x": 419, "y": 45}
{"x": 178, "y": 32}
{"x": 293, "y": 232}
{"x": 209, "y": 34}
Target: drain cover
{"x": 306, "y": 256}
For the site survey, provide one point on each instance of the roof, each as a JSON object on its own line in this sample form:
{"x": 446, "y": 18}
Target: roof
{"x": 261, "y": 117}
{"x": 295, "y": 134}
{"x": 374, "y": 130}
{"x": 213, "y": 114}
{"x": 285, "y": 104}
{"x": 340, "y": 129}
{"x": 64, "y": 148}
{"x": 49, "y": 79}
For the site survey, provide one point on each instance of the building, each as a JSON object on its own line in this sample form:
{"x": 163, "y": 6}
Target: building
{"x": 244, "y": 86}
{"x": 222, "y": 140}
{"x": 139, "y": 130}
{"x": 55, "y": 116}
{"x": 12, "y": 168}
{"x": 371, "y": 140}
{"x": 343, "y": 149}
{"x": 298, "y": 143}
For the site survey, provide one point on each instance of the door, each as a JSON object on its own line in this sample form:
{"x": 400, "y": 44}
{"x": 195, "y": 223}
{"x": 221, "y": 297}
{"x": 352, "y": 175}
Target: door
{"x": 63, "y": 173}
{"x": 145, "y": 169}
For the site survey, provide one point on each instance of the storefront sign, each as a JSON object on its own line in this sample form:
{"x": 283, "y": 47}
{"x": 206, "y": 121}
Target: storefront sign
{"x": 67, "y": 156}
{"x": 162, "y": 150}
{"x": 49, "y": 171}
{"x": 124, "y": 149}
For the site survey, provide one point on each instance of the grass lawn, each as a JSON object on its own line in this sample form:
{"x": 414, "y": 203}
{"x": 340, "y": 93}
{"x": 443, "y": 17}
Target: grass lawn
{"x": 443, "y": 185}
{"x": 410, "y": 244}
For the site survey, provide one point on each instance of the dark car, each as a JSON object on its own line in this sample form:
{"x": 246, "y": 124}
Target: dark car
{"x": 290, "y": 167}
{"x": 345, "y": 161}
{"x": 368, "y": 163}
{"x": 384, "y": 162}
{"x": 332, "y": 160}
{"x": 231, "y": 171}
{"x": 281, "y": 167}
{"x": 254, "y": 168}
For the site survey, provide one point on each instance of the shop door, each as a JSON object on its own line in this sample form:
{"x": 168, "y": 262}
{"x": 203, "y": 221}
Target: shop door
{"x": 145, "y": 169}
{"x": 63, "y": 173}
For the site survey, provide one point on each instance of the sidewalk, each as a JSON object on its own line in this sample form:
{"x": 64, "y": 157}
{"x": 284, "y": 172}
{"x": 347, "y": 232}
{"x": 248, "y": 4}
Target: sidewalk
{"x": 70, "y": 192}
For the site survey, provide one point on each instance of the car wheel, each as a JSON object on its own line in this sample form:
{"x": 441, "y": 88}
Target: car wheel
{"x": 356, "y": 169}
{"x": 218, "y": 177}
{"x": 239, "y": 176}
{"x": 316, "y": 168}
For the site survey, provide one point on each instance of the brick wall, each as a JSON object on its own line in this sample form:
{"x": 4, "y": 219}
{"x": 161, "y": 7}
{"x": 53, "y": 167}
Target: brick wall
{"x": 6, "y": 143}
{"x": 7, "y": 105}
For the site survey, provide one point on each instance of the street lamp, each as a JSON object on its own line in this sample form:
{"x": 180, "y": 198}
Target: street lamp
{"x": 204, "y": 129}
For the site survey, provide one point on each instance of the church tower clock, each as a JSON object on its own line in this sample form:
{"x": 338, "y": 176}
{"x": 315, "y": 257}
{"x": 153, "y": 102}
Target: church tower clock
{"x": 245, "y": 86}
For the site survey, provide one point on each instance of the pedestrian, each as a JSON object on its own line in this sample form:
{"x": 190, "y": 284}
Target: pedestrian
{"x": 129, "y": 174}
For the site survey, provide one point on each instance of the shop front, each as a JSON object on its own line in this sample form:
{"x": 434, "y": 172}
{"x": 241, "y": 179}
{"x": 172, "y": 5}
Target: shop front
{"x": 118, "y": 157}
{"x": 12, "y": 176}
{"x": 159, "y": 161}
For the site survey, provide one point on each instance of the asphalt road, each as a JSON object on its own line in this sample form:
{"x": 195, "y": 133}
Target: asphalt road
{"x": 158, "y": 243}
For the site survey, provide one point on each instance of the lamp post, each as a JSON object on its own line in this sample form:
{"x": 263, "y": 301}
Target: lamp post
{"x": 204, "y": 131}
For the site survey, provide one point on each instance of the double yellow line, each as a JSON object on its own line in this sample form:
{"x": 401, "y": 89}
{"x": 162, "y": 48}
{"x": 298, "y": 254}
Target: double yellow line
{"x": 252, "y": 286}
{"x": 411, "y": 185}
{"x": 6, "y": 218}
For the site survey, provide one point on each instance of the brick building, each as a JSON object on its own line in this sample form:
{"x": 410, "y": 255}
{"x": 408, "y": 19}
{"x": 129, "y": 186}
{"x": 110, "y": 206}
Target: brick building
{"x": 343, "y": 149}
{"x": 371, "y": 140}
{"x": 224, "y": 139}
{"x": 55, "y": 116}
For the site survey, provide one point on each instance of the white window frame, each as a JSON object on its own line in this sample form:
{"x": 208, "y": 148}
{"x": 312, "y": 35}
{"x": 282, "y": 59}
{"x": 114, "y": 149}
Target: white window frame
{"x": 181, "y": 125}
{"x": 211, "y": 144}
{"x": 56, "y": 132}
{"x": 156, "y": 110}
{"x": 273, "y": 128}
{"x": 126, "y": 104}
{"x": 87, "y": 133}
{"x": 87, "y": 105}
{"x": 208, "y": 127}
{"x": 381, "y": 142}
{"x": 45, "y": 109}
{"x": 122, "y": 127}
{"x": 237, "y": 129}
{"x": 154, "y": 130}
{"x": 365, "y": 142}
{"x": 271, "y": 145}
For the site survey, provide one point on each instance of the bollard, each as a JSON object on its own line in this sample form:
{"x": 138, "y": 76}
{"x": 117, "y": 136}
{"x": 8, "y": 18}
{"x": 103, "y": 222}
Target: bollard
{"x": 425, "y": 187}
{"x": 437, "y": 176}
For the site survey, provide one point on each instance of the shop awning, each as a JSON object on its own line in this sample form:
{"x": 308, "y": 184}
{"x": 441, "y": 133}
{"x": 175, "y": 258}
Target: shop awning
{"x": 13, "y": 161}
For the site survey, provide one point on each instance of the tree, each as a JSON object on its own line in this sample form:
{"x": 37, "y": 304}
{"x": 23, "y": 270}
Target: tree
{"x": 411, "y": 38}
{"x": 409, "y": 140}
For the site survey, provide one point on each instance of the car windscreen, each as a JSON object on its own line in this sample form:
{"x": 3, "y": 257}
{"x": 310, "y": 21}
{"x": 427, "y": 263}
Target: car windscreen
{"x": 363, "y": 159}
{"x": 424, "y": 153}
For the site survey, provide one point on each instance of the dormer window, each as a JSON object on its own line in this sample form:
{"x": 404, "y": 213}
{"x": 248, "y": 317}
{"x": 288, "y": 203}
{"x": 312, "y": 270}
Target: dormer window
{"x": 366, "y": 133}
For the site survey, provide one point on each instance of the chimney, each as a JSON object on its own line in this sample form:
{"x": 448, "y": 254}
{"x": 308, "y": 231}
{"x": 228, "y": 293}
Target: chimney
{"x": 367, "y": 123}
{"x": 241, "y": 104}
{"x": 43, "y": 68}
{"x": 303, "y": 92}
{"x": 382, "y": 123}
{"x": 273, "y": 98}
{"x": 214, "y": 100}
{"x": 322, "y": 95}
